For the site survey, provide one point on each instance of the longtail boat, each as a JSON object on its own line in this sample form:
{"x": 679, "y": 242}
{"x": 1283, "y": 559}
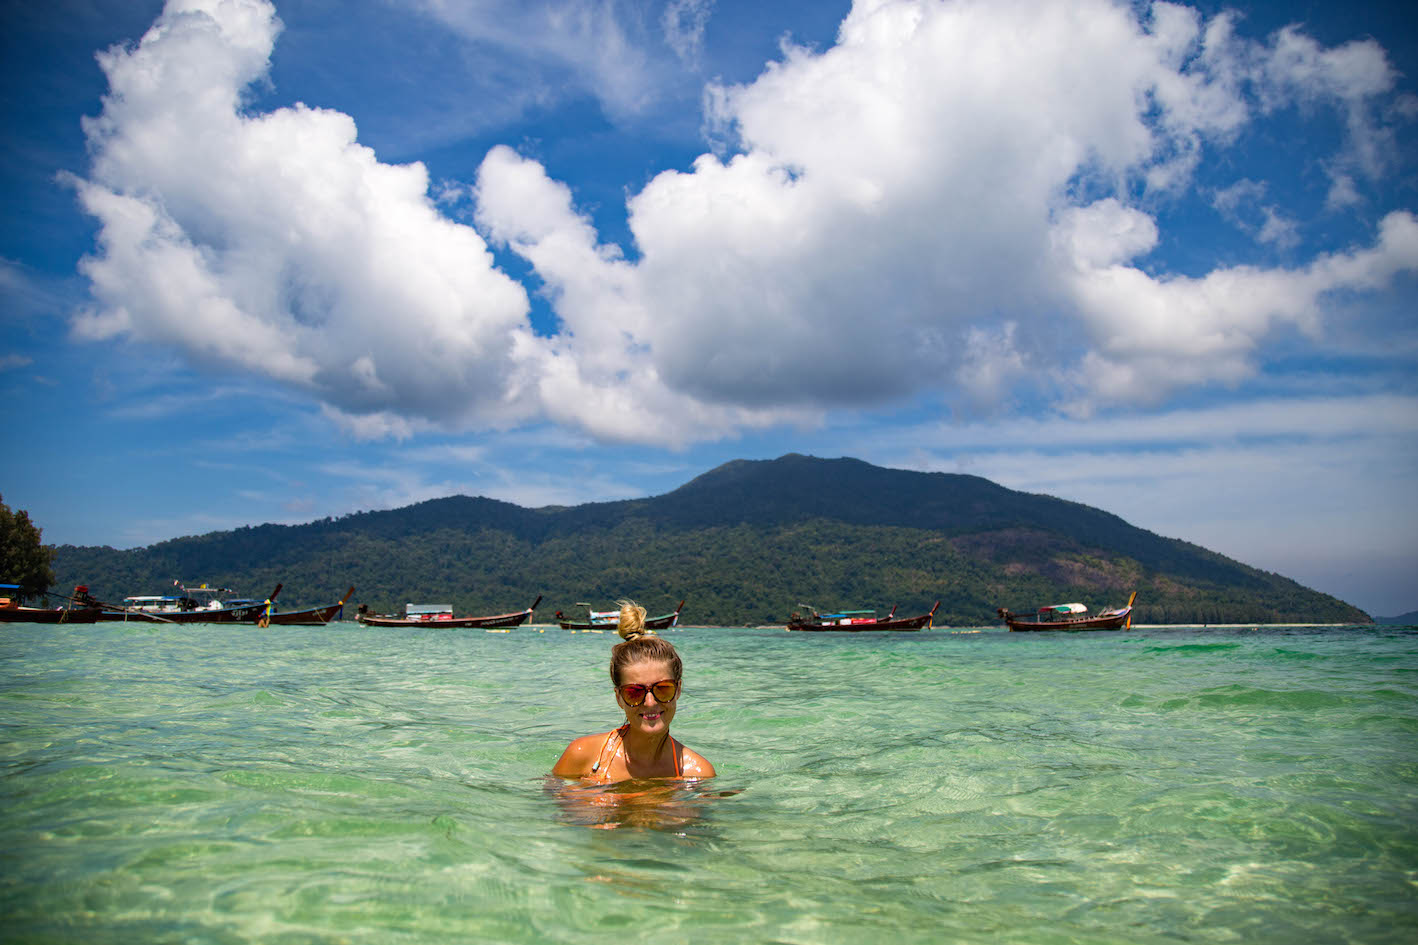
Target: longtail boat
{"x": 1071, "y": 617}
{"x": 191, "y": 607}
{"x": 12, "y": 611}
{"x": 441, "y": 616}
{"x": 856, "y": 621}
{"x": 310, "y": 617}
{"x": 610, "y": 619}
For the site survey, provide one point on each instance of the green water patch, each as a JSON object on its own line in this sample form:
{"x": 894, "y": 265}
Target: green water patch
{"x": 1239, "y": 696}
{"x": 285, "y": 781}
{"x": 1289, "y": 654}
{"x": 1192, "y": 649}
{"x": 109, "y": 787}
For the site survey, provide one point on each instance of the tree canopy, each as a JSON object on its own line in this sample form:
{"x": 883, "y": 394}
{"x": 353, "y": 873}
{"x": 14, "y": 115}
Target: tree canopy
{"x": 24, "y": 559}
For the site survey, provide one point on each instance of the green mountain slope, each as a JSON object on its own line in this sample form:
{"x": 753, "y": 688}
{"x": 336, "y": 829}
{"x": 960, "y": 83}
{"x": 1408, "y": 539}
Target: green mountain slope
{"x": 743, "y": 543}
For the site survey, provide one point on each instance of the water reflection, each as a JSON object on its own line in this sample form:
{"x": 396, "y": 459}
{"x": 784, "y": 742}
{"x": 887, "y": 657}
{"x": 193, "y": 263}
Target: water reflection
{"x": 657, "y": 804}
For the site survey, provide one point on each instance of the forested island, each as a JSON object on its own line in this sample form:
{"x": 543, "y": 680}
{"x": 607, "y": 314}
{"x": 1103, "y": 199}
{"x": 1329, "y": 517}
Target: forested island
{"x": 744, "y": 544}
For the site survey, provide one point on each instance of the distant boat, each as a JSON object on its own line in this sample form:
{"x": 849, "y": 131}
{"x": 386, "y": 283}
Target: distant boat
{"x": 855, "y": 621}
{"x": 610, "y": 619}
{"x": 441, "y": 616}
{"x": 310, "y": 617}
{"x": 200, "y": 604}
{"x": 1071, "y": 617}
{"x": 12, "y": 611}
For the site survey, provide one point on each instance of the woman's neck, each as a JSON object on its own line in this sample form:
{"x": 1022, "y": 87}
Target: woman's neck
{"x": 644, "y": 749}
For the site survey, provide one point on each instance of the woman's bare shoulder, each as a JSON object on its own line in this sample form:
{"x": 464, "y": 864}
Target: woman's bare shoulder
{"x": 695, "y": 764}
{"x": 579, "y": 756}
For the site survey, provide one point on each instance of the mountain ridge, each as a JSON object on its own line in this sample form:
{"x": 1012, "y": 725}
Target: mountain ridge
{"x": 744, "y": 542}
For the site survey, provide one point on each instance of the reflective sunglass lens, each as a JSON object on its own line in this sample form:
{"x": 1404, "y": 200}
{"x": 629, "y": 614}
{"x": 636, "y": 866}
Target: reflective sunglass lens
{"x": 634, "y": 693}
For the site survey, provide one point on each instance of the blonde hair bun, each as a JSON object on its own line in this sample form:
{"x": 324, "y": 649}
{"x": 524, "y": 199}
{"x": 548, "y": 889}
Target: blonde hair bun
{"x": 632, "y": 620}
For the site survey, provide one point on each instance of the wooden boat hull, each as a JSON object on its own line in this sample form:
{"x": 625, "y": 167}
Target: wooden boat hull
{"x": 313, "y": 617}
{"x": 662, "y": 622}
{"x": 49, "y": 614}
{"x": 242, "y": 613}
{"x": 137, "y": 616}
{"x": 923, "y": 622}
{"x": 452, "y": 623}
{"x": 1120, "y": 619}
{"x": 248, "y": 613}
{"x": 310, "y": 617}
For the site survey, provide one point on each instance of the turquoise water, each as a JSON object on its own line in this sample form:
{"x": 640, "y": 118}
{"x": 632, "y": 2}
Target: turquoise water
{"x": 341, "y": 784}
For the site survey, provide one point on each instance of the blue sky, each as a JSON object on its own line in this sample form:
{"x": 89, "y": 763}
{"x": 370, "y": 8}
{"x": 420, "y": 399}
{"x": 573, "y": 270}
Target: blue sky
{"x": 269, "y": 263}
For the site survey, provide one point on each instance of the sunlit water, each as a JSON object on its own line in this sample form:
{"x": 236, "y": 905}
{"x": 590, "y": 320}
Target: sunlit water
{"x": 340, "y": 784}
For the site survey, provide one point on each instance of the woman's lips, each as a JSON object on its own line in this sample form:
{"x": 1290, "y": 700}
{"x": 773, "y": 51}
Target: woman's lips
{"x": 650, "y": 716}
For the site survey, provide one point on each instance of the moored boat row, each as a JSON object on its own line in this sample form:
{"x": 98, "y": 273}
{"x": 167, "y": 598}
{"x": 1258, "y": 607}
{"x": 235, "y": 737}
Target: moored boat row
{"x": 1049, "y": 617}
{"x": 206, "y": 604}
{"x": 197, "y": 604}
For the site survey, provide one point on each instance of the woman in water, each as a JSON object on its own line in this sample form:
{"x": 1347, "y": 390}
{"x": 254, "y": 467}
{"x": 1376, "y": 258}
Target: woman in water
{"x": 645, "y": 671}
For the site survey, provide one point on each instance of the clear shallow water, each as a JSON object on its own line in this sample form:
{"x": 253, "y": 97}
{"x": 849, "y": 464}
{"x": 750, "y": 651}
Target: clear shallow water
{"x": 342, "y": 784}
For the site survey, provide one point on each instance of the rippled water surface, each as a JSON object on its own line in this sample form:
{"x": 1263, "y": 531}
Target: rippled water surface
{"x": 341, "y": 784}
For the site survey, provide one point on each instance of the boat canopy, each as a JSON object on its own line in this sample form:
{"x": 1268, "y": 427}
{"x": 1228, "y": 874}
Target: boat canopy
{"x": 419, "y": 610}
{"x": 1064, "y": 609}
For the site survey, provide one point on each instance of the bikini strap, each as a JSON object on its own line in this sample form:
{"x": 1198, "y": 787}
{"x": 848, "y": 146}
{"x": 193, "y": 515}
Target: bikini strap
{"x": 601, "y": 758}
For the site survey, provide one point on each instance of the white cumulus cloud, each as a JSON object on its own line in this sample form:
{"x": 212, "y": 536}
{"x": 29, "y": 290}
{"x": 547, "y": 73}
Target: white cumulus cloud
{"x": 956, "y": 199}
{"x": 278, "y": 244}
{"x": 919, "y": 183}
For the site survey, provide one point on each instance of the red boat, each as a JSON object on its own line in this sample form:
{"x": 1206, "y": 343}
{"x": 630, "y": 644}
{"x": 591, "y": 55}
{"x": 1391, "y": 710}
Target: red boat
{"x": 1071, "y": 617}
{"x": 310, "y": 617}
{"x": 441, "y": 616}
{"x": 12, "y": 612}
{"x": 610, "y": 620}
{"x": 853, "y": 621}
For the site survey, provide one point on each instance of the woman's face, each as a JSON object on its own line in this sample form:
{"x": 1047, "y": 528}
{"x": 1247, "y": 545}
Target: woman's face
{"x": 651, "y": 717}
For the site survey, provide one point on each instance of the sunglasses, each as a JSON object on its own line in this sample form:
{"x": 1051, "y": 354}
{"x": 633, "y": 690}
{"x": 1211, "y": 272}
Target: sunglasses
{"x": 634, "y": 693}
